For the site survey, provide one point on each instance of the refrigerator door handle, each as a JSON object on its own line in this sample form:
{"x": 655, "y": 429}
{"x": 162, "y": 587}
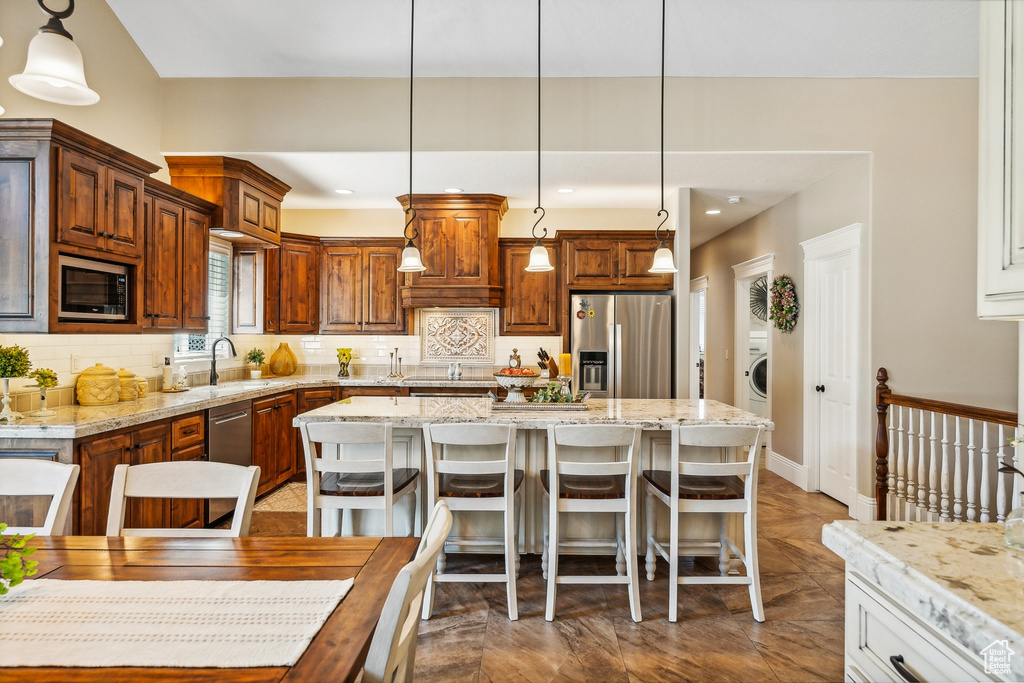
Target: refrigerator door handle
{"x": 618, "y": 361}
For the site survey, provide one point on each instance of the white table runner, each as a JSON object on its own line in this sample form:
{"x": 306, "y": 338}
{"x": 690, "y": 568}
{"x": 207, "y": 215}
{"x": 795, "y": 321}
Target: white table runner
{"x": 163, "y": 623}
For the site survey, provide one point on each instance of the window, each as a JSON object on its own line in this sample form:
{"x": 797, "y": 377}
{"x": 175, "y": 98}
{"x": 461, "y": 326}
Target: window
{"x": 219, "y": 303}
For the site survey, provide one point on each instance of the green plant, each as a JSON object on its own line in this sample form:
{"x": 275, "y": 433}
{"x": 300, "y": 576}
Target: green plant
{"x": 552, "y": 394}
{"x": 14, "y": 361}
{"x": 14, "y": 566}
{"x": 44, "y": 377}
{"x": 255, "y": 357}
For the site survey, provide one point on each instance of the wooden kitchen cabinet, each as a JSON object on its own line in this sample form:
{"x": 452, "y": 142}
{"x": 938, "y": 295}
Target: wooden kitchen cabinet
{"x": 458, "y": 242}
{"x": 298, "y": 296}
{"x": 611, "y": 260}
{"x": 100, "y": 206}
{"x": 248, "y": 198}
{"x": 65, "y": 192}
{"x": 359, "y": 287}
{"x": 307, "y": 400}
{"x": 175, "y": 265}
{"x": 529, "y": 303}
{"x": 149, "y": 445}
{"x": 98, "y": 457}
{"x": 273, "y": 440}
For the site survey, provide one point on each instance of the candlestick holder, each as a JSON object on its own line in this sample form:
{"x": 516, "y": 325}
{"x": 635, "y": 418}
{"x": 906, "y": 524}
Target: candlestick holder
{"x": 566, "y": 385}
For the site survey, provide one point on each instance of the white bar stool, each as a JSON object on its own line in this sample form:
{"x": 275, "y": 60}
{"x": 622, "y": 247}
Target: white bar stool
{"x": 589, "y": 485}
{"x": 458, "y": 473}
{"x": 718, "y": 487}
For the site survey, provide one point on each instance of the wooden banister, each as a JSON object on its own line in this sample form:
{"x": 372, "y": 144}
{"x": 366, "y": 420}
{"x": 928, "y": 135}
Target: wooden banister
{"x": 885, "y": 398}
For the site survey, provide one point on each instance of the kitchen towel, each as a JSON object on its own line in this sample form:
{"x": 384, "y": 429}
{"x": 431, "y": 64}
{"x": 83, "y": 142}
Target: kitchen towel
{"x": 226, "y": 624}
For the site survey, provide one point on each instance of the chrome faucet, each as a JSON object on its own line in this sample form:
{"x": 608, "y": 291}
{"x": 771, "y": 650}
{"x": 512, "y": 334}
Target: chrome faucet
{"x": 213, "y": 361}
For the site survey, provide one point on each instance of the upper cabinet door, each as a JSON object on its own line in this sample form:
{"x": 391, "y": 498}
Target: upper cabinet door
{"x": 82, "y": 198}
{"x": 383, "y": 313}
{"x": 162, "y": 306}
{"x": 635, "y": 260}
{"x": 124, "y": 213}
{"x": 341, "y": 287}
{"x": 1001, "y": 161}
{"x": 299, "y": 299}
{"x": 194, "y": 271}
{"x": 591, "y": 263}
{"x": 529, "y": 303}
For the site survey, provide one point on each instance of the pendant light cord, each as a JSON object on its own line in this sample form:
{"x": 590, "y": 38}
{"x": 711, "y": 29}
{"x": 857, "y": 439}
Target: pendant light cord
{"x": 411, "y": 212}
{"x": 657, "y": 232}
{"x": 539, "y": 207}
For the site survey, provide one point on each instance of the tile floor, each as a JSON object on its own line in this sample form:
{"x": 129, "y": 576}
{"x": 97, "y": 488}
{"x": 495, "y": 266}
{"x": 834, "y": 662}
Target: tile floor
{"x": 593, "y": 638}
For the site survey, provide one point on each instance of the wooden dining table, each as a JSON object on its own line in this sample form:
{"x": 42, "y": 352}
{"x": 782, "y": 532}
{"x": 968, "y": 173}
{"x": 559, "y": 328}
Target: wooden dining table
{"x": 336, "y": 653}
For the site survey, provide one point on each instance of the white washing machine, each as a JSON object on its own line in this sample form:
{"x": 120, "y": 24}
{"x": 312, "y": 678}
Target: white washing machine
{"x": 757, "y": 373}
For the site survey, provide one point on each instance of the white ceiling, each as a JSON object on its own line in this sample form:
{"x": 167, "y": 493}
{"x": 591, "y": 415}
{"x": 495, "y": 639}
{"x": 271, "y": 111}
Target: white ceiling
{"x": 582, "y": 38}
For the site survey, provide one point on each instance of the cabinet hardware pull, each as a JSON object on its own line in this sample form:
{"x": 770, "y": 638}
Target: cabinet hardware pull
{"x": 191, "y": 430}
{"x": 897, "y": 663}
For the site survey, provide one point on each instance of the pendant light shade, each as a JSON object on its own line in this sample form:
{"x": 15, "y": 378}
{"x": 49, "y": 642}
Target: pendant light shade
{"x": 411, "y": 262}
{"x": 539, "y": 261}
{"x": 663, "y": 260}
{"x": 54, "y": 71}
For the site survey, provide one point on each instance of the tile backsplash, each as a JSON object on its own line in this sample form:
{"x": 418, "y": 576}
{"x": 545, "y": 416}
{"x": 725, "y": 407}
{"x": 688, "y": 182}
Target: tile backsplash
{"x": 143, "y": 354}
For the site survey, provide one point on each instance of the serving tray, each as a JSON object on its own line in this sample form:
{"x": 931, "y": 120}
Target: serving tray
{"x": 539, "y": 406}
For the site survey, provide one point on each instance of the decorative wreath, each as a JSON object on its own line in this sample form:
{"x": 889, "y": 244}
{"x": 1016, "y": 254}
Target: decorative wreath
{"x": 784, "y": 307}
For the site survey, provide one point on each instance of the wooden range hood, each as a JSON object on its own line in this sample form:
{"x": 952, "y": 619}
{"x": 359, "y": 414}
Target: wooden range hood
{"x": 458, "y": 242}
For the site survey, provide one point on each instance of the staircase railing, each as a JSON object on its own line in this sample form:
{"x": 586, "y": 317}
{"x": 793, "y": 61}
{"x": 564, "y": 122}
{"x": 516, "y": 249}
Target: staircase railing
{"x": 945, "y": 459}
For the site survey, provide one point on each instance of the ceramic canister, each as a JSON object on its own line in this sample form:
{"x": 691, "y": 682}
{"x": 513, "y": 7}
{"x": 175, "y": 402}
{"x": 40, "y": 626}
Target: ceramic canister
{"x": 98, "y": 386}
{"x": 143, "y": 386}
{"x": 129, "y": 384}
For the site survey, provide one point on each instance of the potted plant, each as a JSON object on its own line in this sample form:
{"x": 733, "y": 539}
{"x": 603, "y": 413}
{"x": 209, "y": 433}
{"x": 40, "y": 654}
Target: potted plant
{"x": 45, "y": 379}
{"x": 13, "y": 363}
{"x": 13, "y": 565}
{"x": 255, "y": 357}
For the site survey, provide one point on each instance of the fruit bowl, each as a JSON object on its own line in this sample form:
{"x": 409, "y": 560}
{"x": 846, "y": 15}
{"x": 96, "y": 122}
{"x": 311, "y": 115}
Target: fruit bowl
{"x": 515, "y": 385}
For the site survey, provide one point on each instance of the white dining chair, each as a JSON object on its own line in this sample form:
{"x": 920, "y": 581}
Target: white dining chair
{"x": 363, "y": 481}
{"x": 472, "y": 466}
{"x": 392, "y": 653}
{"x": 35, "y": 477}
{"x": 724, "y": 487}
{"x": 184, "y": 479}
{"x": 584, "y": 480}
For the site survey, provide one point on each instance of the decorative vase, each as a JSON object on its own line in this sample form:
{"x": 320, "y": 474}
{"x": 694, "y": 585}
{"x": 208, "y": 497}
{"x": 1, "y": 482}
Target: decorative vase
{"x": 344, "y": 370}
{"x": 43, "y": 411}
{"x": 8, "y": 413}
{"x": 255, "y": 374}
{"x": 283, "y": 362}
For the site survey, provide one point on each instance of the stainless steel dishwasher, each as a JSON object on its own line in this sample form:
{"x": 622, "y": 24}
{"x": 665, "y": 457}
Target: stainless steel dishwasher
{"x": 229, "y": 439}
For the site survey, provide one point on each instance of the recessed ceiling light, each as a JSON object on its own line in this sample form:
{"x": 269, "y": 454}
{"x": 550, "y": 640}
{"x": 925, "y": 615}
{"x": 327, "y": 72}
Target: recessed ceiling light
{"x": 453, "y": 190}
{"x": 713, "y": 212}
{"x": 566, "y": 190}
{"x": 734, "y": 199}
{"x": 344, "y": 191}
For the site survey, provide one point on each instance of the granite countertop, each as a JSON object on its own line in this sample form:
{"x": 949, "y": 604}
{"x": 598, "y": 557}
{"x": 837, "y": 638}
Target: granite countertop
{"x": 71, "y": 422}
{"x": 957, "y": 577}
{"x": 647, "y": 413}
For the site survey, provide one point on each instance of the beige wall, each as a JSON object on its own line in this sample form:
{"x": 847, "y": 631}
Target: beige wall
{"x": 128, "y": 113}
{"x": 835, "y": 202}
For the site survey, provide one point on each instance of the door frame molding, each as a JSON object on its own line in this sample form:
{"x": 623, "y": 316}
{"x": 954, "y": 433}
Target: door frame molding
{"x": 697, "y": 284}
{"x": 748, "y": 270}
{"x": 841, "y": 242}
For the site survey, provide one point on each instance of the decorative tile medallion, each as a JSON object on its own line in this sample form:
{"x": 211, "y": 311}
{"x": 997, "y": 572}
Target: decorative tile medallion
{"x": 464, "y": 335}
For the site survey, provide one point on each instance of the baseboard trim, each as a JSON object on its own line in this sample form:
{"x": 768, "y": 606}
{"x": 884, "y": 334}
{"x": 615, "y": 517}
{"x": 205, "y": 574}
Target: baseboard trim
{"x": 787, "y": 469}
{"x": 865, "y": 509}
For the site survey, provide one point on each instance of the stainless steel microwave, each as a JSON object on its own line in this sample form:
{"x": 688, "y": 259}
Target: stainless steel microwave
{"x": 91, "y": 290}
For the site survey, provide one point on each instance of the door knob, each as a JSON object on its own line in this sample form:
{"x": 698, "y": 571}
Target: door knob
{"x": 820, "y": 388}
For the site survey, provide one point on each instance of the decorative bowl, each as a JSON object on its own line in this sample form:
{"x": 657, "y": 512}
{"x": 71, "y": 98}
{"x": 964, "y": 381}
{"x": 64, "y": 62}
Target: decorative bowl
{"x": 515, "y": 385}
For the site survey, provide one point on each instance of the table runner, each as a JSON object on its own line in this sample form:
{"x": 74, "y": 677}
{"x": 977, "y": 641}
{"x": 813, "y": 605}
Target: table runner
{"x": 49, "y": 622}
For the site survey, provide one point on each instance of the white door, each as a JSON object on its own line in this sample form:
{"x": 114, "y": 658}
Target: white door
{"x": 831, "y": 352}
{"x": 698, "y": 327}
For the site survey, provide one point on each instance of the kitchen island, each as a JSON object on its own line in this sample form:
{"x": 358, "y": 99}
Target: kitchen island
{"x": 409, "y": 414}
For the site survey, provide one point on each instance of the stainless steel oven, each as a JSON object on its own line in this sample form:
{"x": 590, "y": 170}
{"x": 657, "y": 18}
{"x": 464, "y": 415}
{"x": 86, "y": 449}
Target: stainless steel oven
{"x": 95, "y": 291}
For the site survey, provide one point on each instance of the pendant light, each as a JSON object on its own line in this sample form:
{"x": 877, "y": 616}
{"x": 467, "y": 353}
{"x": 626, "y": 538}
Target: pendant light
{"x": 54, "y": 71}
{"x": 539, "y": 261}
{"x": 411, "y": 261}
{"x": 663, "y": 261}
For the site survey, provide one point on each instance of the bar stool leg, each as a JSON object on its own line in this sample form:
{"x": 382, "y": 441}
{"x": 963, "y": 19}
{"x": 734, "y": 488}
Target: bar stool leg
{"x": 620, "y": 549}
{"x": 511, "y": 559}
{"x": 629, "y": 547}
{"x": 412, "y": 512}
{"x": 723, "y": 553}
{"x": 515, "y": 531}
{"x": 673, "y": 564}
{"x": 552, "y": 548}
{"x": 544, "y": 549}
{"x": 750, "y": 532}
{"x": 650, "y": 523}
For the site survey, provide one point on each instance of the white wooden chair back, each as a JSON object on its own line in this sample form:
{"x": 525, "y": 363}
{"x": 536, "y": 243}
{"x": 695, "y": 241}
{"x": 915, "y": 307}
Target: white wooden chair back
{"x": 478, "y": 436}
{"x": 35, "y": 477}
{"x": 739, "y": 437}
{"x": 392, "y": 654}
{"x": 188, "y": 479}
{"x": 626, "y": 441}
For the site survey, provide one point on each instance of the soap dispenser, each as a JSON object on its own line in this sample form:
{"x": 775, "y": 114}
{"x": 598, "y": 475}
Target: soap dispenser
{"x": 167, "y": 381}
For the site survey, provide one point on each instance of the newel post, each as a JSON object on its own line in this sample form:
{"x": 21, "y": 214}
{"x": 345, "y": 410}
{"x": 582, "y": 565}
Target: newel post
{"x": 882, "y": 392}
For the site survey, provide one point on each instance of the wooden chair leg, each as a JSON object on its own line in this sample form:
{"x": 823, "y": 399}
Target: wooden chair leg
{"x": 511, "y": 559}
{"x": 412, "y": 512}
{"x": 552, "y": 573}
{"x": 544, "y": 547}
{"x": 723, "y": 553}
{"x": 515, "y": 529}
{"x": 629, "y": 547}
{"x": 753, "y": 571}
{"x": 620, "y": 543}
{"x": 673, "y": 566}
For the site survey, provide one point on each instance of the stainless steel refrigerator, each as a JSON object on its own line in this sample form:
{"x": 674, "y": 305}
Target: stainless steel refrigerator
{"x": 622, "y": 345}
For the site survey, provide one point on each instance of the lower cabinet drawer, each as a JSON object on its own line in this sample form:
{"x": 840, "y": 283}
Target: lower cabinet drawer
{"x": 878, "y": 630}
{"x": 187, "y": 431}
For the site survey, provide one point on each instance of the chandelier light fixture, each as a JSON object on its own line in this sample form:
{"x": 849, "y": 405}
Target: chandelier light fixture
{"x": 663, "y": 261}
{"x": 411, "y": 261}
{"x": 539, "y": 261}
{"x": 54, "y": 71}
